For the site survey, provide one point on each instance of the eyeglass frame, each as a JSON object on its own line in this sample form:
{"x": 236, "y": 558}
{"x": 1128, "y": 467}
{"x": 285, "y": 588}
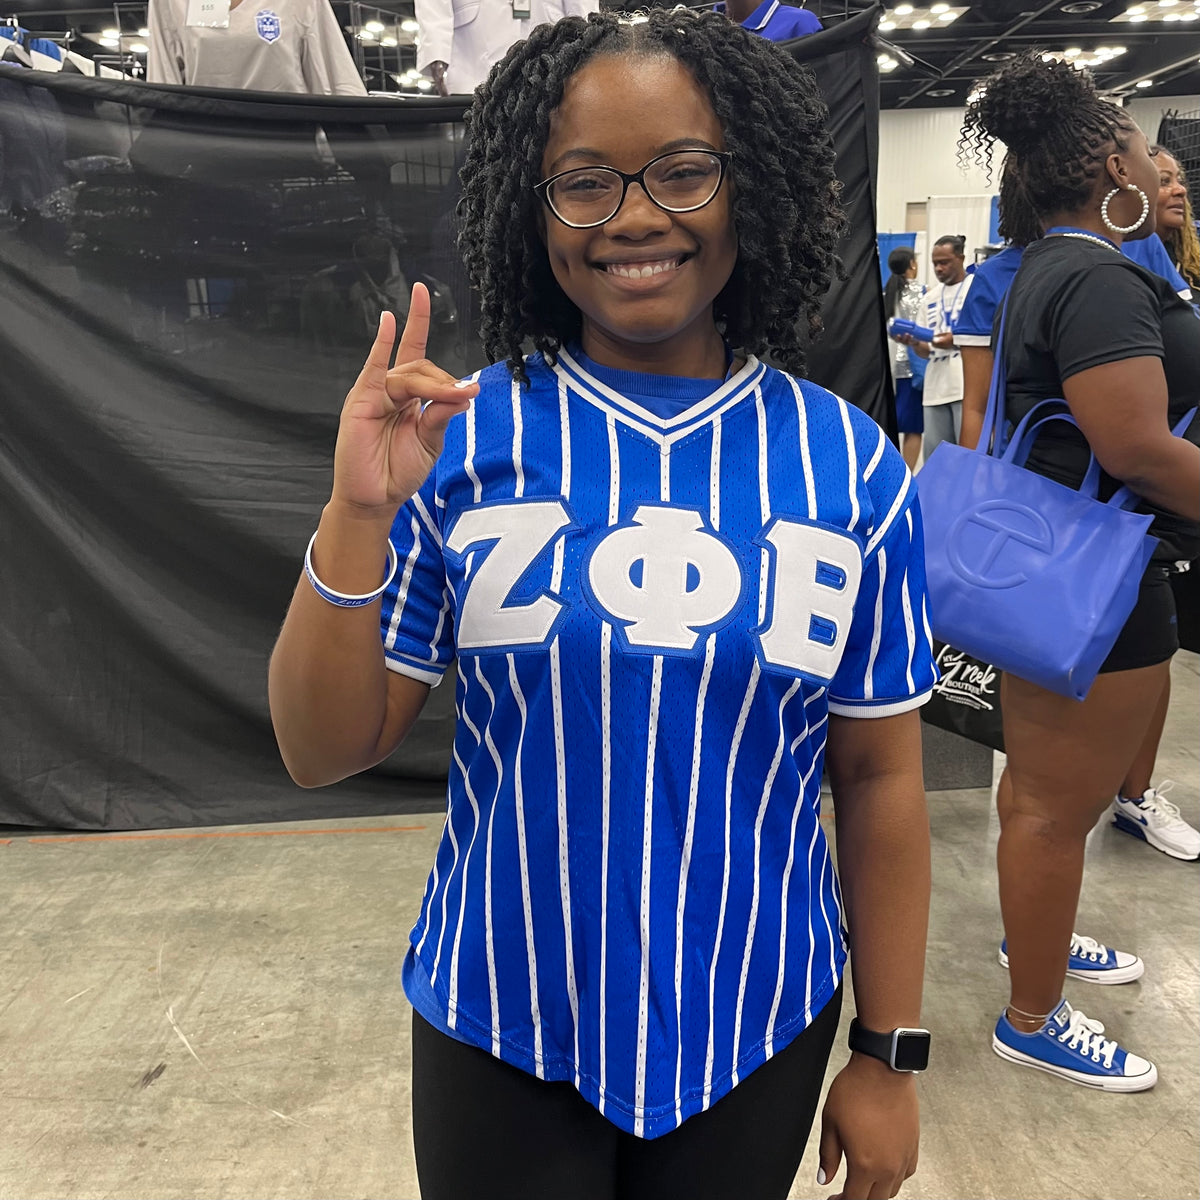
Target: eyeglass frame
{"x": 723, "y": 157}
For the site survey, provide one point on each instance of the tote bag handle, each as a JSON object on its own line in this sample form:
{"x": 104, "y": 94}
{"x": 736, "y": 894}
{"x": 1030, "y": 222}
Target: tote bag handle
{"x": 1015, "y": 449}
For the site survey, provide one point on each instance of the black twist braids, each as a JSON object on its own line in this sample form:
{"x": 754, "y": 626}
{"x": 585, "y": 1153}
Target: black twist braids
{"x": 786, "y": 210}
{"x": 1019, "y": 222}
{"x": 1055, "y": 125}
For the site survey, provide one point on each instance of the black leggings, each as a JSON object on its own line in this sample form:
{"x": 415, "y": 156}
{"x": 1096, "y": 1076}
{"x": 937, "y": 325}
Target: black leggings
{"x": 485, "y": 1129}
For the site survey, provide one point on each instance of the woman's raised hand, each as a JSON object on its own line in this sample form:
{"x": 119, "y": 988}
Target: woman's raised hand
{"x": 394, "y": 421}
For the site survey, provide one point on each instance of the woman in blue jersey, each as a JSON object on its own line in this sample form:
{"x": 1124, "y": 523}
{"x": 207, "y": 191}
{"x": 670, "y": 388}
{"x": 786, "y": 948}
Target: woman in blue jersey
{"x": 1086, "y": 324}
{"x": 678, "y": 584}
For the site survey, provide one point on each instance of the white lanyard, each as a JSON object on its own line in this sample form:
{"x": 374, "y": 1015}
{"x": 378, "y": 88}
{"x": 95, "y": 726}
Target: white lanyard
{"x": 950, "y": 315}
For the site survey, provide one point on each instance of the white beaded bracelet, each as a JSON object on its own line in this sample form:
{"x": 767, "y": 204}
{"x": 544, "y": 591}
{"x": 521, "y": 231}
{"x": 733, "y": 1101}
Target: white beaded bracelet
{"x": 341, "y": 599}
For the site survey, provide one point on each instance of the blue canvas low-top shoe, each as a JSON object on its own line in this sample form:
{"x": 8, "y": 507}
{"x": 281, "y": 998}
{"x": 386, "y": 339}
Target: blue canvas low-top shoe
{"x": 1094, "y": 963}
{"x": 1074, "y": 1047}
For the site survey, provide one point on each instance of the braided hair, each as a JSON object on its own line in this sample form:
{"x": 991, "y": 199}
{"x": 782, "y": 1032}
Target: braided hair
{"x": 785, "y": 207}
{"x": 1019, "y": 222}
{"x": 1057, "y": 129}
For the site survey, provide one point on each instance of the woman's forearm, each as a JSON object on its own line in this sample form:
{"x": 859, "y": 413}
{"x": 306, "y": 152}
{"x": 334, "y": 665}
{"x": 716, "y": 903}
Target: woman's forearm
{"x": 883, "y": 864}
{"x": 883, "y": 861}
{"x": 977, "y": 377}
{"x": 328, "y": 685}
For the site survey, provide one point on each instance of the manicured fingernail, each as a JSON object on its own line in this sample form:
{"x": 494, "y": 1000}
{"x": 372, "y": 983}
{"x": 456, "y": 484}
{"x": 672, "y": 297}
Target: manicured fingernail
{"x": 821, "y": 1176}
{"x": 462, "y": 383}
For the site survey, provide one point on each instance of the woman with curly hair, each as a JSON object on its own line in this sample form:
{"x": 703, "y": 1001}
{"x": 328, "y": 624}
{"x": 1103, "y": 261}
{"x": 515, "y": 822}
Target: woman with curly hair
{"x": 1176, "y": 221}
{"x": 1087, "y": 324}
{"x": 678, "y": 583}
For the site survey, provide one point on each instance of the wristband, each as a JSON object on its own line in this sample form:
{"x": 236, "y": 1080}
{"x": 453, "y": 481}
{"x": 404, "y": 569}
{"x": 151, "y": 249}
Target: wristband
{"x": 341, "y": 599}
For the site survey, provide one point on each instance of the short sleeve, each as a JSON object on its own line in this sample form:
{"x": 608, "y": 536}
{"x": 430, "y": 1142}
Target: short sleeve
{"x": 416, "y": 621}
{"x": 1111, "y": 313}
{"x": 327, "y": 64}
{"x": 888, "y": 666}
{"x": 973, "y": 327}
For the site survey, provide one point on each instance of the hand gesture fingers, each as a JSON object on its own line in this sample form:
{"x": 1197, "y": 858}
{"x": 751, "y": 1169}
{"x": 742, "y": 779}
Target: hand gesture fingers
{"x": 394, "y": 419}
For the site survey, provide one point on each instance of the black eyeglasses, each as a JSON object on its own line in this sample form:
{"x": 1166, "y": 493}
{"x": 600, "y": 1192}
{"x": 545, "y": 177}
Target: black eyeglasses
{"x": 677, "y": 182}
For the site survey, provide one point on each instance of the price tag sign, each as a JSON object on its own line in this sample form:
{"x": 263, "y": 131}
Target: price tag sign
{"x": 208, "y": 14}
{"x": 521, "y": 10}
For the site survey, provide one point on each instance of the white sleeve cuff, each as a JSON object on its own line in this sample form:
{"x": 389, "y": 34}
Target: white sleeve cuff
{"x": 429, "y": 673}
{"x": 878, "y": 708}
{"x": 973, "y": 339}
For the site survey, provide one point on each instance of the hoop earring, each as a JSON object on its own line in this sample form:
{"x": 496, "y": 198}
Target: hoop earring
{"x": 1129, "y": 187}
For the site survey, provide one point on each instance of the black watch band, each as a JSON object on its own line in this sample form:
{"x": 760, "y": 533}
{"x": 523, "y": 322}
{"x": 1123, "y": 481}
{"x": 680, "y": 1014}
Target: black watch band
{"x": 902, "y": 1049}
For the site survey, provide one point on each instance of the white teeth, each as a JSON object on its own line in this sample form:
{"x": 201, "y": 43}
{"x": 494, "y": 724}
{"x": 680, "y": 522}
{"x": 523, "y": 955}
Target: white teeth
{"x": 644, "y": 271}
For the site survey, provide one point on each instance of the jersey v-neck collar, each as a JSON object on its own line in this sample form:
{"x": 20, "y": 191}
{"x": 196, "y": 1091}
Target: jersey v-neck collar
{"x": 663, "y": 430}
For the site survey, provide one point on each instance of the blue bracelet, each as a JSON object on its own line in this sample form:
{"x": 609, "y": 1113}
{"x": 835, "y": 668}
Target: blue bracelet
{"x": 341, "y": 599}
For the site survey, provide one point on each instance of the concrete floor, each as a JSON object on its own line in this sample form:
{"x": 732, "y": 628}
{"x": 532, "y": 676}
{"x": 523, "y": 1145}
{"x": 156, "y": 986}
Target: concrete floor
{"x": 217, "y": 1013}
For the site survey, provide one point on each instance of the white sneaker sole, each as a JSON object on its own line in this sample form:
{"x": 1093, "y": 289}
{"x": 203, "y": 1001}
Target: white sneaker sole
{"x": 1128, "y": 974}
{"x": 1099, "y": 1083}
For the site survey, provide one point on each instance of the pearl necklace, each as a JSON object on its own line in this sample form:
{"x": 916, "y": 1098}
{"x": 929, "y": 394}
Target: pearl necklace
{"x": 1087, "y": 237}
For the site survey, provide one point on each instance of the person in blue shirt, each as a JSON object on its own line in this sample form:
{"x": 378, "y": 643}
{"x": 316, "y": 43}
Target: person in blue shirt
{"x": 677, "y": 581}
{"x": 1152, "y": 255}
{"x": 772, "y": 19}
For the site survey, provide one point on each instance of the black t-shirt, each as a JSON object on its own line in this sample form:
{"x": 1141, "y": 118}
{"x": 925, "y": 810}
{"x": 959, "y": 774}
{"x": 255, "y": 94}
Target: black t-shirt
{"x": 1076, "y": 304}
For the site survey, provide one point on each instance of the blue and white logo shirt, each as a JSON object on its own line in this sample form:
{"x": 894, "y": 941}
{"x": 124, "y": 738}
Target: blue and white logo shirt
{"x": 268, "y": 25}
{"x": 654, "y": 618}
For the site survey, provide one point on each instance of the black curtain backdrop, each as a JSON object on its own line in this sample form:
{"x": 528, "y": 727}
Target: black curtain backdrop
{"x": 189, "y": 280}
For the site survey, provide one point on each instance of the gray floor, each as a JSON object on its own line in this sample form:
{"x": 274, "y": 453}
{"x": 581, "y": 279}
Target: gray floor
{"x": 216, "y": 1013}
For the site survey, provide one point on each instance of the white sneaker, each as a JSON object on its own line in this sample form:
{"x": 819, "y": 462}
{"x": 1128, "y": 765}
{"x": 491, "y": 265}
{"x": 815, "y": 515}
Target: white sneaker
{"x": 1158, "y": 822}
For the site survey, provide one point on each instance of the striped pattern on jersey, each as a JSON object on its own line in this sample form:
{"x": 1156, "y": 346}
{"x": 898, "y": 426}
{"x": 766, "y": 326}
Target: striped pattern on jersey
{"x": 653, "y": 621}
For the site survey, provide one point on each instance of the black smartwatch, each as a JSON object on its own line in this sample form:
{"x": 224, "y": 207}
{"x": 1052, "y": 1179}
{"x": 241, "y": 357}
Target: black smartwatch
{"x": 902, "y": 1049}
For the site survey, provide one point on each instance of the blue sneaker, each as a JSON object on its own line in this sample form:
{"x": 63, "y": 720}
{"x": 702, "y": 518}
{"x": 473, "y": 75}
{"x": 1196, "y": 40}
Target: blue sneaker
{"x": 1095, "y": 963}
{"x": 1072, "y": 1046}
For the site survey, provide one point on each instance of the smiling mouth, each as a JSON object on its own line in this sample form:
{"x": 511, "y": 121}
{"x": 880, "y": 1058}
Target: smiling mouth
{"x": 644, "y": 270}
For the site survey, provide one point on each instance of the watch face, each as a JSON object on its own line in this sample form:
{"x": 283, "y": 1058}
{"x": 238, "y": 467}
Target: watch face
{"x": 912, "y": 1051}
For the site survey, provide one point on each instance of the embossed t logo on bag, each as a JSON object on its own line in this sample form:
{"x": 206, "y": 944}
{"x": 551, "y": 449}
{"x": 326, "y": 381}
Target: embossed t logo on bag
{"x": 1020, "y": 537}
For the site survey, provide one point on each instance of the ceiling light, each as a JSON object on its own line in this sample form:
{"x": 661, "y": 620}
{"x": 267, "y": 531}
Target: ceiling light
{"x": 374, "y": 26}
{"x": 110, "y": 33}
{"x": 424, "y": 85}
{"x": 903, "y": 10}
{"x": 1080, "y": 7}
{"x": 388, "y": 41}
{"x": 139, "y": 48}
{"x": 1072, "y": 52}
{"x": 920, "y": 24}
{"x": 1002, "y": 56}
{"x": 143, "y": 33}
{"x": 1137, "y": 18}
{"x": 938, "y": 93}
{"x": 887, "y": 63}
{"x": 366, "y": 35}
{"x": 1167, "y": 3}
{"x": 947, "y": 16}
{"x": 939, "y": 8}
{"x": 887, "y": 25}
{"x": 409, "y": 25}
{"x": 110, "y": 42}
{"x": 1143, "y": 83}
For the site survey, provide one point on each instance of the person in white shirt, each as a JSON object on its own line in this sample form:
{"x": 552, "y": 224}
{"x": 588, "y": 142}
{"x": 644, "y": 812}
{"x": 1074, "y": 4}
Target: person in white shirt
{"x": 461, "y": 40}
{"x": 265, "y": 46}
{"x": 944, "y": 378}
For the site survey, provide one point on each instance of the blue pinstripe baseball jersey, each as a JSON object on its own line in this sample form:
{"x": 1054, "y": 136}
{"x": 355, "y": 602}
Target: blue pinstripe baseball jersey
{"x": 654, "y": 617}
